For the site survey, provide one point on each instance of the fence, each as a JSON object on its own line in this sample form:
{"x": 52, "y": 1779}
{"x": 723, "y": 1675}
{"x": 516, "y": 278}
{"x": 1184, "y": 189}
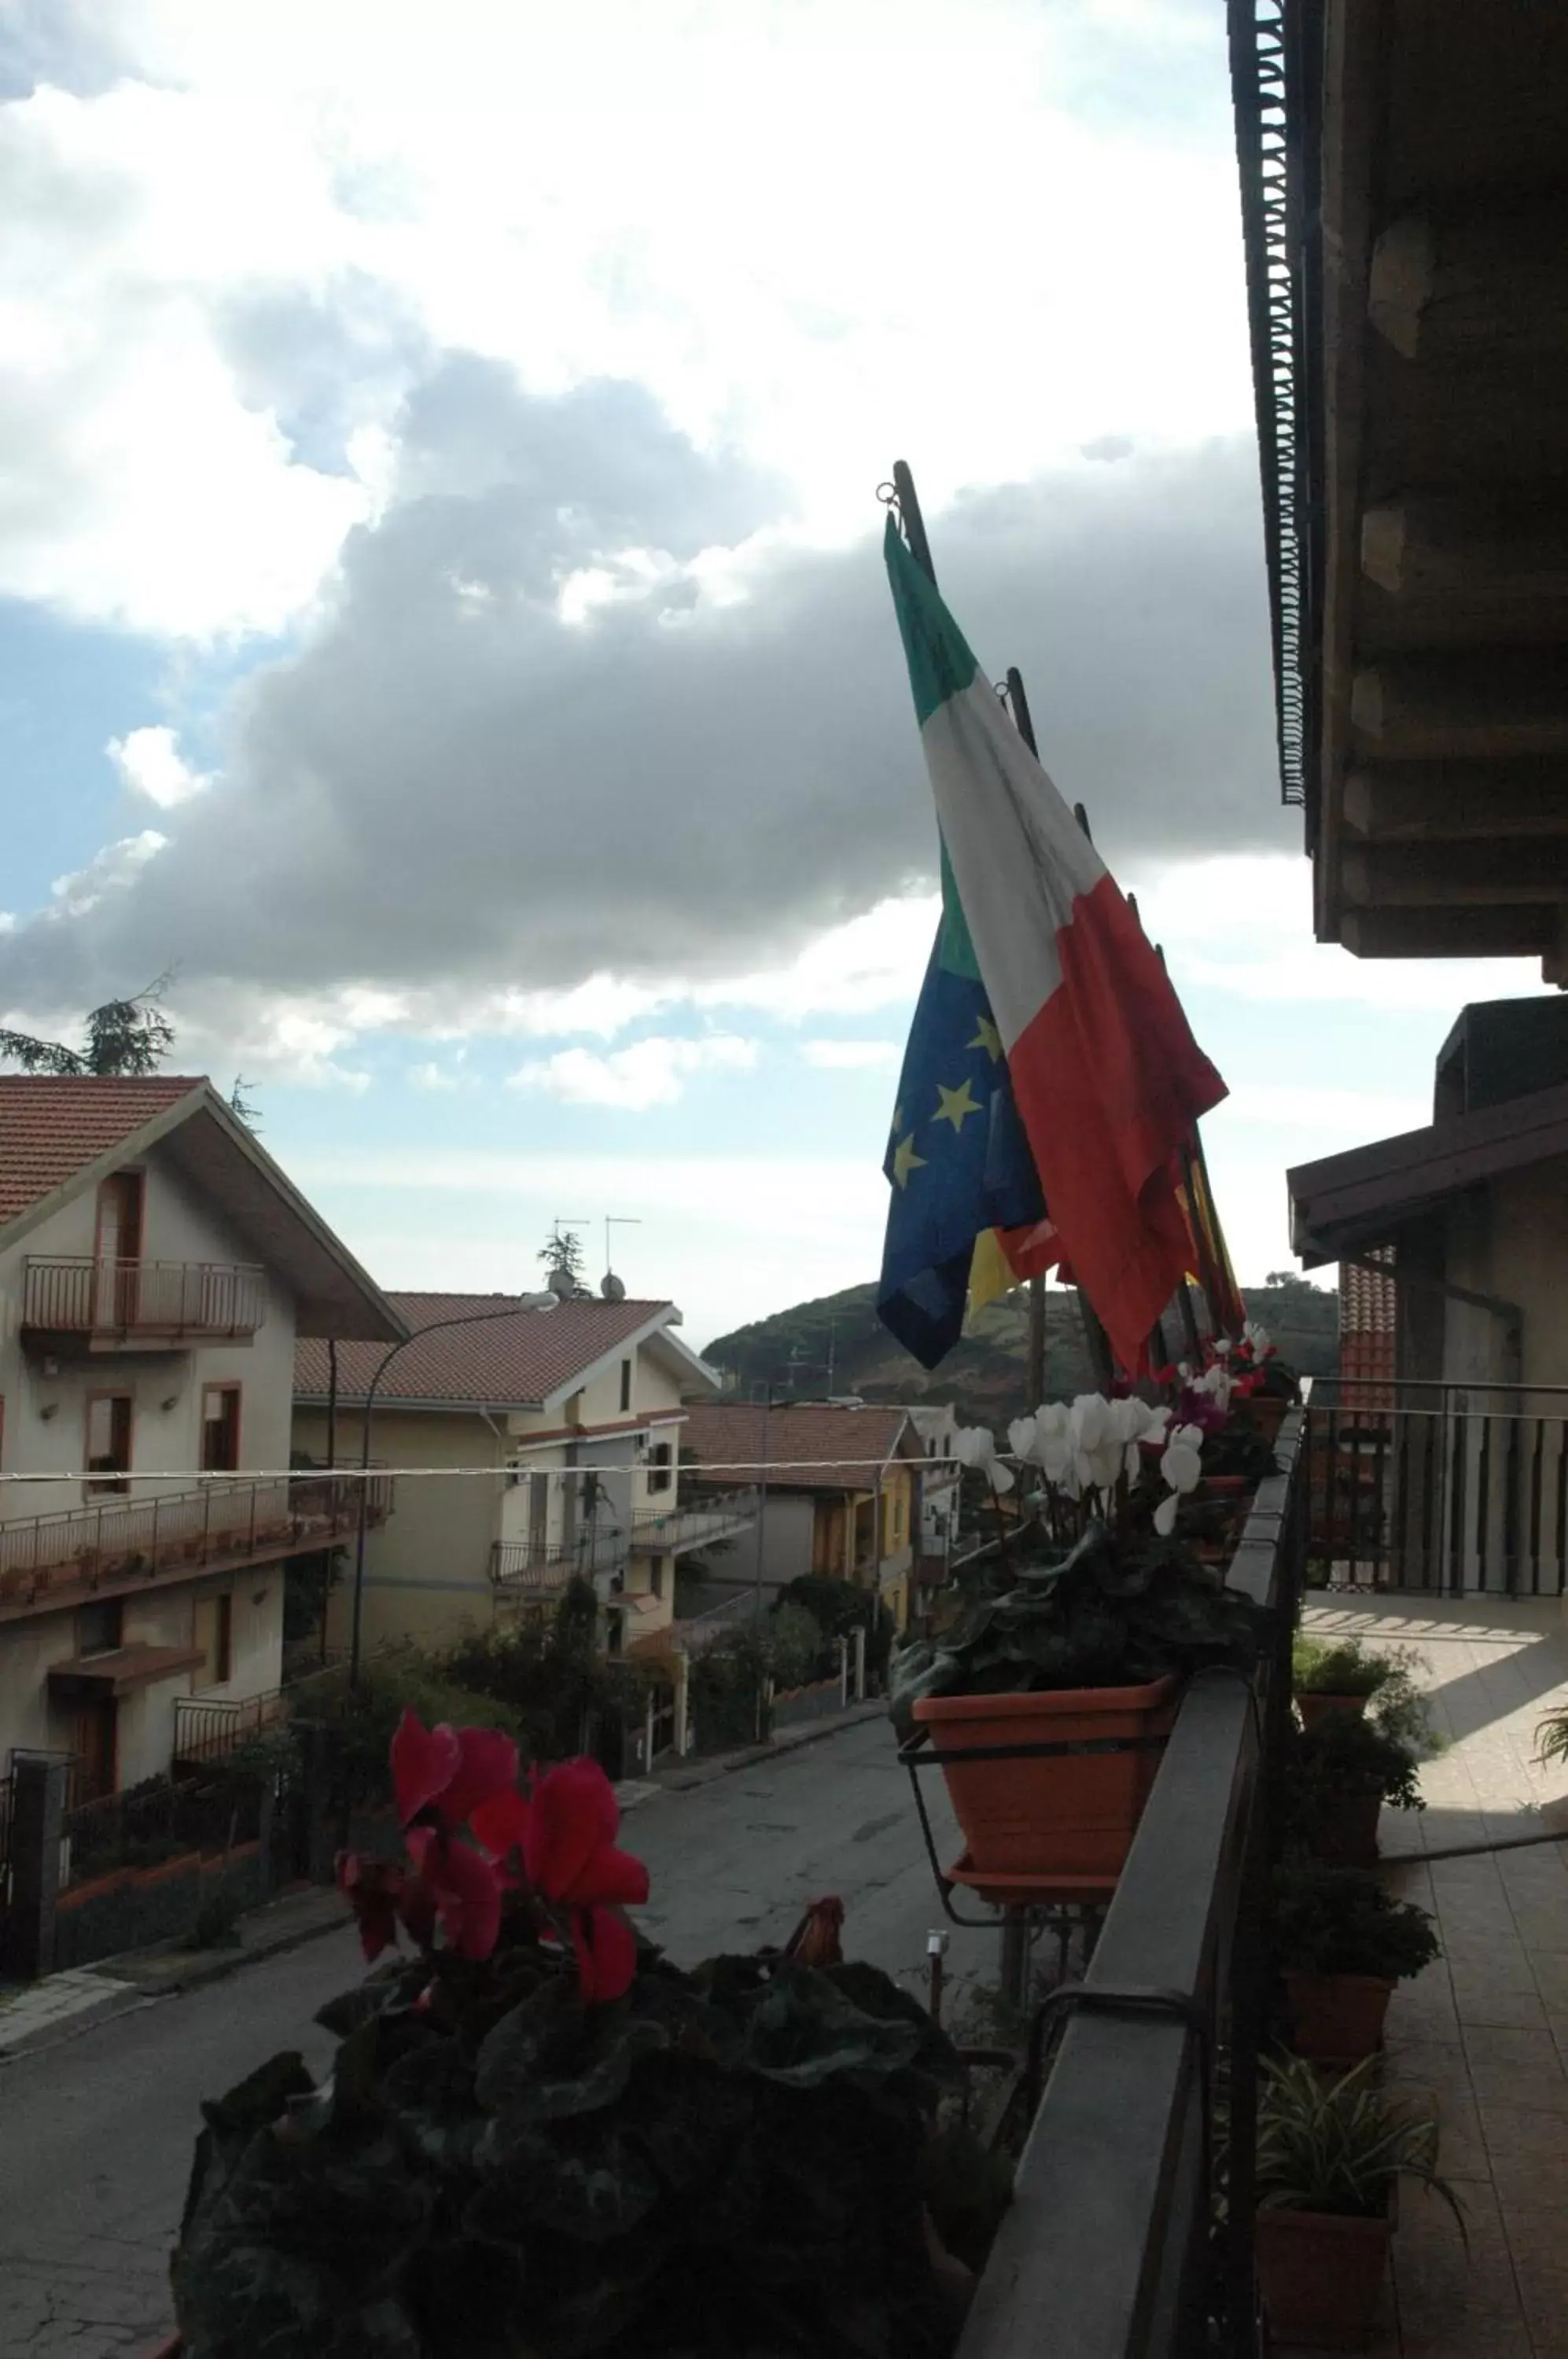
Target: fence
{"x": 128, "y": 1540}
{"x": 1444, "y": 1488}
{"x": 146, "y": 1825}
{"x": 1131, "y": 2231}
{"x": 75, "y": 1295}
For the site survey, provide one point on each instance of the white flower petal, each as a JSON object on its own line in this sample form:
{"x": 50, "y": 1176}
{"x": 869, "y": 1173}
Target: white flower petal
{"x": 1165, "y": 1515}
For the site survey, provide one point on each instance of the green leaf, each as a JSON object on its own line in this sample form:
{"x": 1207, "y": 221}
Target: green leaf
{"x": 805, "y": 2029}
{"x": 552, "y": 2058}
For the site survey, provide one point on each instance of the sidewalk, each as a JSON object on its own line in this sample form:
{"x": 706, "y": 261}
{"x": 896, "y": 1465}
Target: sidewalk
{"x": 692, "y": 1773}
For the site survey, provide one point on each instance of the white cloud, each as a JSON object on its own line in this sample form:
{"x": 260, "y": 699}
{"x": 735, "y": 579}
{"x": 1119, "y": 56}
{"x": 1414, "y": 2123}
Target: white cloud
{"x": 852, "y": 1056}
{"x": 1352, "y": 1116}
{"x": 434, "y": 1077}
{"x": 650, "y": 1072}
{"x": 150, "y": 763}
{"x": 111, "y": 871}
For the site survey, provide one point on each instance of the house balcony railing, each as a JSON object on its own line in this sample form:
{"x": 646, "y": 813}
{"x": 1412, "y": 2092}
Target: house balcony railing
{"x": 542, "y": 1566}
{"x": 1130, "y": 2234}
{"x": 676, "y": 1531}
{"x": 141, "y": 1301}
{"x": 130, "y": 1543}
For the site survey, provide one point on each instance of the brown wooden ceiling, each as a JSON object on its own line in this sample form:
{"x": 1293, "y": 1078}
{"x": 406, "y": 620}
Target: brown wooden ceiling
{"x": 1431, "y": 493}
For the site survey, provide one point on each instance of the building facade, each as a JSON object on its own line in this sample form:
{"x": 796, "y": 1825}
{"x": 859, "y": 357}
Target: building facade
{"x": 156, "y": 1268}
{"x": 841, "y": 1491}
{"x": 554, "y": 1437}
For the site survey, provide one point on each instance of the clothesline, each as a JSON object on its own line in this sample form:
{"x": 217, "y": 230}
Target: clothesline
{"x": 377, "y": 1473}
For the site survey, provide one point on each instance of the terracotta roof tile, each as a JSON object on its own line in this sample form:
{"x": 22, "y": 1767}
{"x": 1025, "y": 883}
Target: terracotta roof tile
{"x": 51, "y": 1128}
{"x": 516, "y": 1362}
{"x": 741, "y": 1435}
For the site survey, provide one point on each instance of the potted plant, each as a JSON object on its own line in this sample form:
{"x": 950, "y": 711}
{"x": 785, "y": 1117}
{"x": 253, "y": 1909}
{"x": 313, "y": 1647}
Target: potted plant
{"x": 1335, "y": 1675}
{"x": 1340, "y": 1774}
{"x": 1342, "y": 1942}
{"x": 1331, "y": 2154}
{"x": 539, "y": 2136}
{"x": 1080, "y": 1656}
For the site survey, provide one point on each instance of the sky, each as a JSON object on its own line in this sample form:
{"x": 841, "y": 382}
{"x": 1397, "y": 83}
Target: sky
{"x": 442, "y": 620}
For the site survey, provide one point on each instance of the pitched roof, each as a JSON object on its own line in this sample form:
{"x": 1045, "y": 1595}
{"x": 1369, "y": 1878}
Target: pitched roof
{"x": 61, "y": 1135}
{"x": 1345, "y": 1202}
{"x": 52, "y": 1127}
{"x": 817, "y": 1449}
{"x": 522, "y": 1360}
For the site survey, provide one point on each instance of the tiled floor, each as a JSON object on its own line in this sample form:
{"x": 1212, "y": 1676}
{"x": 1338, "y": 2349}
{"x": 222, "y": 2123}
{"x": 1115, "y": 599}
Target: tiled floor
{"x": 1484, "y": 2030}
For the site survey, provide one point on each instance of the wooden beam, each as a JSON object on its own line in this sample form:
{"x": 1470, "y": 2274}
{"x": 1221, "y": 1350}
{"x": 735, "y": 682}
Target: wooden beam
{"x": 1488, "y": 288}
{"x": 1497, "y": 574}
{"x": 1503, "y": 875}
{"x": 1449, "y": 932}
{"x": 1408, "y": 802}
{"x": 1495, "y": 705}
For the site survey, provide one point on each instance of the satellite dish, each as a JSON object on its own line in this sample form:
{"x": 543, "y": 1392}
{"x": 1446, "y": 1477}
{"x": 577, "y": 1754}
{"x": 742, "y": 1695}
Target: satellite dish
{"x": 563, "y": 1285}
{"x": 612, "y": 1287}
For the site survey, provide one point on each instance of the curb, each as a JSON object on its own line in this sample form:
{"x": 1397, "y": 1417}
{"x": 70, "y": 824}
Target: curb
{"x": 218, "y": 1964}
{"x": 686, "y": 1781}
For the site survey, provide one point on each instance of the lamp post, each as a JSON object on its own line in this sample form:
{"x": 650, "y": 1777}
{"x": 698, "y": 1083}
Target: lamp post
{"x": 465, "y": 1319}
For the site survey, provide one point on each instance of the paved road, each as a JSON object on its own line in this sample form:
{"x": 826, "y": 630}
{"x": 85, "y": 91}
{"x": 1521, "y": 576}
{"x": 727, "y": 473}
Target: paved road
{"x": 96, "y": 2130}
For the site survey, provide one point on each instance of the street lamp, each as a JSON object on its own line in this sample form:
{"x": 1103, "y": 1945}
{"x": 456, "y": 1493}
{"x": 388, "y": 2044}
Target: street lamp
{"x": 465, "y": 1319}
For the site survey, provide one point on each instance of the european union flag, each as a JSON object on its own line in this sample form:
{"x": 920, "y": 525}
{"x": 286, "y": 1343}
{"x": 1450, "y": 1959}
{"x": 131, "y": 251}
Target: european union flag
{"x": 958, "y": 1159}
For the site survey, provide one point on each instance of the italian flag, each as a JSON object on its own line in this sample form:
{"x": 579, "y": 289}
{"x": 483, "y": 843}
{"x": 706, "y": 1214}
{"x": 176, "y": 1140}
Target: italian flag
{"x": 1106, "y": 1076}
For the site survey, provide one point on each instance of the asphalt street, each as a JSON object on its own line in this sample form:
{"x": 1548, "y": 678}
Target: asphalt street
{"x": 96, "y": 2127}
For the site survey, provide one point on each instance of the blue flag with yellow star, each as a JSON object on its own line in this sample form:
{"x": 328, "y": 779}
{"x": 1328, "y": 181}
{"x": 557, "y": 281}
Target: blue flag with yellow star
{"x": 958, "y": 1161}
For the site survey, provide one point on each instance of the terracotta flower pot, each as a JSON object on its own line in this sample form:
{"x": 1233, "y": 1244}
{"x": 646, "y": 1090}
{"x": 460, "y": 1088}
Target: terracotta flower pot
{"x": 1337, "y": 2018}
{"x": 1315, "y": 1706}
{"x": 1321, "y": 2275}
{"x": 1067, "y": 1813}
{"x": 1346, "y": 1832}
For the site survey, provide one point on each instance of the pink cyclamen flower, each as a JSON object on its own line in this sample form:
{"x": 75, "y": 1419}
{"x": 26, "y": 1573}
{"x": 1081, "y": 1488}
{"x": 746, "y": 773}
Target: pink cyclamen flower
{"x": 564, "y": 1831}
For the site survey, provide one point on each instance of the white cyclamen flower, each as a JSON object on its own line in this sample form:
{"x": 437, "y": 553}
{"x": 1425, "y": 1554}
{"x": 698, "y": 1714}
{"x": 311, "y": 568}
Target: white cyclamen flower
{"x": 975, "y": 1446}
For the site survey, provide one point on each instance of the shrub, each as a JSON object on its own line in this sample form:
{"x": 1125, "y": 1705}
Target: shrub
{"x": 1342, "y": 1667}
{"x": 1344, "y": 1756}
{"x": 1340, "y": 1920}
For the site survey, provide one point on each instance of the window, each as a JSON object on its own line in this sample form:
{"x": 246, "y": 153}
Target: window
{"x": 220, "y": 1429}
{"x": 118, "y": 1250}
{"x": 659, "y": 1475}
{"x": 626, "y": 1386}
{"x": 99, "y": 1626}
{"x": 213, "y": 1631}
{"x": 655, "y": 1576}
{"x": 108, "y": 1440}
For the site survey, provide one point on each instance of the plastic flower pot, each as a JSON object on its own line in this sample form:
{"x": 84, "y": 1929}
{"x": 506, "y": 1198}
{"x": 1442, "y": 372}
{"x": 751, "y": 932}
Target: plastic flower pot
{"x": 1067, "y": 1813}
{"x": 1320, "y": 2274}
{"x": 1314, "y": 1706}
{"x": 1345, "y": 1834}
{"x": 1337, "y": 2018}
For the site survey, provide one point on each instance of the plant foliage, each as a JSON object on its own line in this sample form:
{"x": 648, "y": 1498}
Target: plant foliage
{"x": 1340, "y": 1667}
{"x": 725, "y": 2162}
{"x": 1344, "y": 1756}
{"x": 1107, "y": 1614}
{"x": 1340, "y": 1920}
{"x": 1339, "y": 2145}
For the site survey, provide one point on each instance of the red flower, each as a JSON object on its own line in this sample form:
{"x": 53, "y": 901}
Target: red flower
{"x": 565, "y": 1830}
{"x": 465, "y": 1885}
{"x": 448, "y": 1770}
{"x": 383, "y": 1895}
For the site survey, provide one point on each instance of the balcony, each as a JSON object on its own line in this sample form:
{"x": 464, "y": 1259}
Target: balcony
{"x": 120, "y": 1305}
{"x": 543, "y": 1567}
{"x": 135, "y": 1544}
{"x": 677, "y": 1531}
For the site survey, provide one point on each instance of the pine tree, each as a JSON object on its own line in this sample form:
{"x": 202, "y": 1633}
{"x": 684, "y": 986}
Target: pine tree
{"x": 561, "y": 1255}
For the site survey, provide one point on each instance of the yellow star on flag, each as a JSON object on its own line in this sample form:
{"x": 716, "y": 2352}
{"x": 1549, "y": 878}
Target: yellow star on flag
{"x": 906, "y": 1160}
{"x": 955, "y": 1105}
{"x": 989, "y": 1039}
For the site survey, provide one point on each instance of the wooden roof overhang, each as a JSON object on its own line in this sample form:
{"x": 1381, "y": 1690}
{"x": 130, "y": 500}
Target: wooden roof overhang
{"x": 1405, "y": 195}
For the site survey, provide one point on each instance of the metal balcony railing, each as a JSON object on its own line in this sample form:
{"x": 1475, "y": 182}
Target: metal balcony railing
{"x": 672, "y": 1531}
{"x": 550, "y": 1564}
{"x": 128, "y": 1543}
{"x": 76, "y": 1295}
{"x": 1115, "y": 2246}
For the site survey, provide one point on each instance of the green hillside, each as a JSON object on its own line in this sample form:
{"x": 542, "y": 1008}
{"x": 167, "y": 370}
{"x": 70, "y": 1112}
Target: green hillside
{"x": 838, "y": 1346}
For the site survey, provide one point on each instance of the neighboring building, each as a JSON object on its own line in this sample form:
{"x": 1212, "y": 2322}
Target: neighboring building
{"x": 841, "y": 1486}
{"x": 1452, "y": 1242}
{"x": 156, "y": 1267}
{"x": 527, "y": 1399}
{"x": 937, "y": 1533}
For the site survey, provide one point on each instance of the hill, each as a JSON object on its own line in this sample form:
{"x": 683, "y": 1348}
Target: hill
{"x": 838, "y": 1346}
